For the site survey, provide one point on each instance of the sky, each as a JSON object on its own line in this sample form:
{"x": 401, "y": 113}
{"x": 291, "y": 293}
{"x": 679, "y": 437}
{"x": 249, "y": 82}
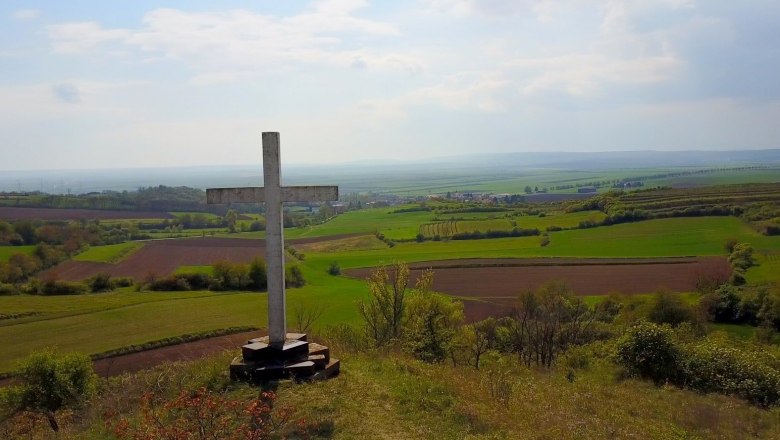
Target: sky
{"x": 107, "y": 84}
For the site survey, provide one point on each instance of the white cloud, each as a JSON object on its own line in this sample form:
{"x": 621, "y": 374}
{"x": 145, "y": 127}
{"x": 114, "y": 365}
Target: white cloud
{"x": 26, "y": 14}
{"x": 82, "y": 36}
{"x": 229, "y": 45}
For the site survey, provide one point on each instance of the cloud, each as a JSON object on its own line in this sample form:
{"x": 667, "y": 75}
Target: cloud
{"x": 81, "y": 37}
{"x": 66, "y": 92}
{"x": 222, "y": 45}
{"x": 26, "y": 14}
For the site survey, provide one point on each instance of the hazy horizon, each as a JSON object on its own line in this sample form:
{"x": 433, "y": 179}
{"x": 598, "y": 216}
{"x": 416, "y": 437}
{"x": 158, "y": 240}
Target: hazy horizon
{"x": 96, "y": 85}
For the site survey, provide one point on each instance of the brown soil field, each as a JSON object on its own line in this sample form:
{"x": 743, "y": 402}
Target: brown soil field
{"x": 187, "y": 351}
{"x": 163, "y": 257}
{"x": 491, "y": 285}
{"x": 15, "y": 213}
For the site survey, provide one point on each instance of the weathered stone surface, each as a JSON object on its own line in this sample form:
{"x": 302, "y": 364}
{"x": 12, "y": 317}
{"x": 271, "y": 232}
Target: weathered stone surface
{"x": 289, "y": 337}
{"x": 315, "y": 348}
{"x": 256, "y": 351}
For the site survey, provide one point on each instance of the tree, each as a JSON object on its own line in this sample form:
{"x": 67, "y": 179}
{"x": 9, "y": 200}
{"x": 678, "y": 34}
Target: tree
{"x": 230, "y": 220}
{"x": 432, "y": 321}
{"x": 258, "y": 276}
{"x": 50, "y": 382}
{"x": 383, "y": 311}
{"x": 649, "y": 351}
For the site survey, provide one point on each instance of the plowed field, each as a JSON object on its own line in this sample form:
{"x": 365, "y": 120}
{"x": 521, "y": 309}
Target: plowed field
{"x": 491, "y": 285}
{"x": 162, "y": 257}
{"x": 14, "y": 213}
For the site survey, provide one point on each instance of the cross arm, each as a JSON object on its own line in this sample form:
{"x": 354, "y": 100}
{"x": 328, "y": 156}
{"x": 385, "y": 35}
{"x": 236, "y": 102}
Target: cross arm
{"x": 256, "y": 194}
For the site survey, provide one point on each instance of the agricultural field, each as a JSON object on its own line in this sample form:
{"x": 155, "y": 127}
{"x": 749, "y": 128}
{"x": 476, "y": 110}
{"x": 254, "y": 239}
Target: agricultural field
{"x": 348, "y": 240}
{"x": 14, "y": 213}
{"x": 111, "y": 253}
{"x": 7, "y": 251}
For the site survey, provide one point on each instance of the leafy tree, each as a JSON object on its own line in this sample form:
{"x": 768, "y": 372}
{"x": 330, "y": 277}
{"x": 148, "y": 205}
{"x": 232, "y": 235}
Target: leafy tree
{"x": 383, "y": 311}
{"x": 258, "y": 276}
{"x": 231, "y": 217}
{"x": 668, "y": 308}
{"x": 431, "y": 322}
{"x": 49, "y": 383}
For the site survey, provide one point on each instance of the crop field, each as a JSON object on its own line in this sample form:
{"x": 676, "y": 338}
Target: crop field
{"x": 492, "y": 285}
{"x": 14, "y": 213}
{"x": 7, "y": 251}
{"x": 507, "y": 223}
{"x": 111, "y": 253}
{"x": 161, "y": 257}
{"x": 100, "y": 322}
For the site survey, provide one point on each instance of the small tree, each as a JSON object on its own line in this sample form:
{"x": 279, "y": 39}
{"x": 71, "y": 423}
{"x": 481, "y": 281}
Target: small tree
{"x": 258, "y": 276}
{"x": 50, "y": 382}
{"x": 383, "y": 311}
{"x": 432, "y": 321}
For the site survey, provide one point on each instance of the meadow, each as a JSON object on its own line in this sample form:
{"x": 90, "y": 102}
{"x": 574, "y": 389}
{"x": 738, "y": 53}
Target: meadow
{"x": 7, "y": 251}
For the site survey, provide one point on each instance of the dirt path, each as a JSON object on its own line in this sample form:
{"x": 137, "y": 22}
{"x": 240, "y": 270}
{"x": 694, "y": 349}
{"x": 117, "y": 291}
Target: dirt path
{"x": 130, "y": 363}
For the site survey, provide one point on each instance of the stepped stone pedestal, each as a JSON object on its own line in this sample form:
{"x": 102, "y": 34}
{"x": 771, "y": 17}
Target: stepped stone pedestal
{"x": 297, "y": 359}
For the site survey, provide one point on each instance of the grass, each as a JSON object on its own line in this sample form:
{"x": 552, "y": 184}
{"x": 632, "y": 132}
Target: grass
{"x": 700, "y": 236}
{"x": 7, "y": 251}
{"x": 388, "y": 395}
{"x": 97, "y": 323}
{"x": 112, "y": 253}
{"x": 102, "y": 322}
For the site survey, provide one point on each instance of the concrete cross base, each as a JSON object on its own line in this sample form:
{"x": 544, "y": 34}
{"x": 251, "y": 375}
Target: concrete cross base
{"x": 297, "y": 359}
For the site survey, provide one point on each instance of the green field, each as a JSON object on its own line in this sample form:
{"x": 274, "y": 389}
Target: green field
{"x": 100, "y": 322}
{"x": 111, "y": 253}
{"x": 7, "y": 251}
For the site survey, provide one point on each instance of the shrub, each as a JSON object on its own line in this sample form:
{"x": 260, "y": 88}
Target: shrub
{"x": 668, "y": 308}
{"x": 8, "y": 289}
{"x": 258, "y": 275}
{"x": 334, "y": 268}
{"x": 648, "y": 350}
{"x": 710, "y": 367}
{"x": 53, "y": 287}
{"x": 122, "y": 282}
{"x": 293, "y": 277}
{"x": 101, "y": 282}
{"x": 50, "y": 382}
{"x": 172, "y": 283}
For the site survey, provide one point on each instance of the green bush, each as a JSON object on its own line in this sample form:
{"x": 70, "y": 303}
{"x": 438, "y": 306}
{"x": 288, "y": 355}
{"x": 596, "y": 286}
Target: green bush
{"x": 49, "y": 382}
{"x": 293, "y": 277}
{"x": 711, "y": 367}
{"x": 258, "y": 275}
{"x": 122, "y": 282}
{"x": 101, "y": 282}
{"x": 8, "y": 289}
{"x": 668, "y": 308}
{"x": 648, "y": 350}
{"x": 334, "y": 268}
{"x": 53, "y": 287}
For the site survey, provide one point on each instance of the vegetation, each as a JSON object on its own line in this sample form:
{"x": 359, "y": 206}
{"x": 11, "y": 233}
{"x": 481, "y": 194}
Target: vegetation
{"x": 48, "y": 383}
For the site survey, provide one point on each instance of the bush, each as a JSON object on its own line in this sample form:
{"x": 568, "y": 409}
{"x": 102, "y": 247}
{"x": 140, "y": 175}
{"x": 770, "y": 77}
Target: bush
{"x": 334, "y": 268}
{"x": 101, "y": 282}
{"x": 50, "y": 382}
{"x": 172, "y": 283}
{"x": 710, "y": 367}
{"x": 8, "y": 289}
{"x": 122, "y": 282}
{"x": 648, "y": 350}
{"x": 668, "y": 308}
{"x": 53, "y": 287}
{"x": 258, "y": 275}
{"x": 293, "y": 277}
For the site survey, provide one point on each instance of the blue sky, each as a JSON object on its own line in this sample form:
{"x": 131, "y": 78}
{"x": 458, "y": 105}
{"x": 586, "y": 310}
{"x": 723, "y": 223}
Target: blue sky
{"x": 96, "y": 84}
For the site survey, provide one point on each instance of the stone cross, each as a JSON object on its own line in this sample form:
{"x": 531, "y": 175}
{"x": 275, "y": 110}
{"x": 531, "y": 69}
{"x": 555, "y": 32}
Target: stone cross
{"x": 273, "y": 194}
